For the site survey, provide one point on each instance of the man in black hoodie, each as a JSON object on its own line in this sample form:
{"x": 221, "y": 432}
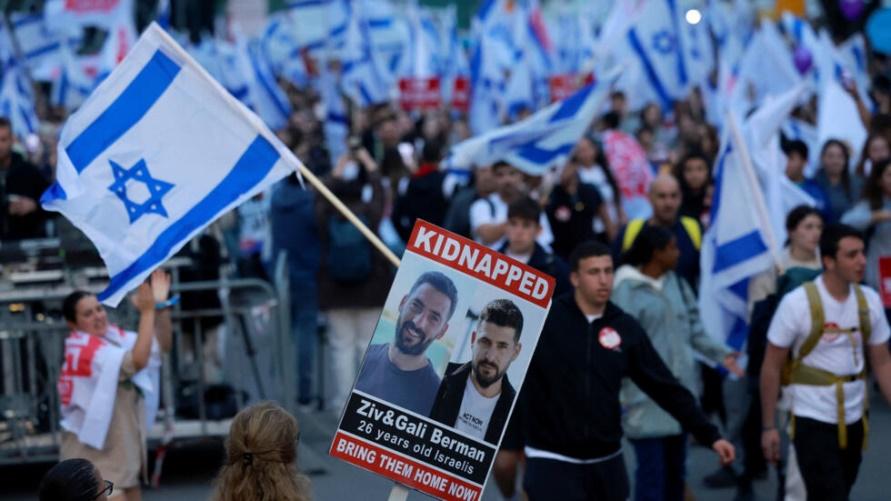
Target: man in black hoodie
{"x": 476, "y": 397}
{"x": 573, "y": 425}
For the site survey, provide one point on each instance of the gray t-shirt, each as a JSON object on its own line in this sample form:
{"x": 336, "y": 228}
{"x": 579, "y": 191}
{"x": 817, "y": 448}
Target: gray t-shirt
{"x": 413, "y": 390}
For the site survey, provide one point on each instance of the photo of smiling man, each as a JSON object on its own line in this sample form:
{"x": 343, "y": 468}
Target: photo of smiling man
{"x": 475, "y": 397}
{"x": 400, "y": 372}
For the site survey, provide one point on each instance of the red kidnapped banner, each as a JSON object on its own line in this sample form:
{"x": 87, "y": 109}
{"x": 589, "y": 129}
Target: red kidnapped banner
{"x": 461, "y": 95}
{"x": 481, "y": 262}
{"x": 419, "y": 93}
{"x": 90, "y": 5}
{"x": 563, "y": 86}
{"x": 403, "y": 469}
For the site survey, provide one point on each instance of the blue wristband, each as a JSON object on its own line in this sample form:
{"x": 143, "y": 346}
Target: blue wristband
{"x": 167, "y": 304}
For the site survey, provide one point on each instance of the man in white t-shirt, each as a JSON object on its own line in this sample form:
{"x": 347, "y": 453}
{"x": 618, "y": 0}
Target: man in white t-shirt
{"x": 476, "y": 397}
{"x": 488, "y": 215}
{"x": 828, "y": 383}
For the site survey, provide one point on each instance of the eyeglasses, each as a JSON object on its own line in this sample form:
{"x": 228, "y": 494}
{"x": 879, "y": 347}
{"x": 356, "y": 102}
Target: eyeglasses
{"x": 109, "y": 487}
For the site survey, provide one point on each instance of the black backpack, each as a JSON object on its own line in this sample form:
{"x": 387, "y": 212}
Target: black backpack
{"x": 762, "y": 314}
{"x": 349, "y": 255}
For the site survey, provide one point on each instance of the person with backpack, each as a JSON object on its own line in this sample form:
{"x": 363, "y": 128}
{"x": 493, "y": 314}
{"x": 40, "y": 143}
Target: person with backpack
{"x": 665, "y": 198}
{"x": 818, "y": 341}
{"x": 352, "y": 273}
{"x": 800, "y": 263}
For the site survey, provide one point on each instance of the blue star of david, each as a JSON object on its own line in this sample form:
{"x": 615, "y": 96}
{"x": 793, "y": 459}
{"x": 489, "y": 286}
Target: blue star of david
{"x": 139, "y": 173}
{"x": 663, "y": 41}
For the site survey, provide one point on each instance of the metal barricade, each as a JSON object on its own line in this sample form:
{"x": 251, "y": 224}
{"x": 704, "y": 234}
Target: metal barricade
{"x": 31, "y": 350}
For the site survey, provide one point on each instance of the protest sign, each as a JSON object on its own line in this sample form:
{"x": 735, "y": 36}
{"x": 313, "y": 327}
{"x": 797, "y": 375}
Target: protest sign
{"x": 419, "y": 94}
{"x": 885, "y": 280}
{"x": 440, "y": 377}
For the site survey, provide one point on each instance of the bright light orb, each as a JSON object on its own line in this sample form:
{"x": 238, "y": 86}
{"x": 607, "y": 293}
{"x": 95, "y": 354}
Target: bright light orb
{"x": 693, "y": 16}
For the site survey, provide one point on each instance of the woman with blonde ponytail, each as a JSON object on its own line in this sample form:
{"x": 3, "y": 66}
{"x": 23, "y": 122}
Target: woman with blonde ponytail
{"x": 261, "y": 458}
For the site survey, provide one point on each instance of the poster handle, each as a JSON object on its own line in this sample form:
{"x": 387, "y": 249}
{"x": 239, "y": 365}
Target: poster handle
{"x": 398, "y": 493}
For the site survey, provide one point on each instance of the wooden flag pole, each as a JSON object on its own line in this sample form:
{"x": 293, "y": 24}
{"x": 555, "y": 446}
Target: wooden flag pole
{"x": 398, "y": 493}
{"x": 347, "y": 213}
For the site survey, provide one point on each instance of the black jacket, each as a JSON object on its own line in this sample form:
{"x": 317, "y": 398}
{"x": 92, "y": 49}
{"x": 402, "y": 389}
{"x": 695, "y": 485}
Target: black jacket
{"x": 572, "y": 386}
{"x": 451, "y": 392}
{"x": 23, "y": 179}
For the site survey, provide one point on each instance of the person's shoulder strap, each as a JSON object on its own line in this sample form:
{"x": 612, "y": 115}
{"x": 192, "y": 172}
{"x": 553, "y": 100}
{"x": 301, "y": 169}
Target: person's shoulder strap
{"x": 863, "y": 315}
{"x": 693, "y": 230}
{"x": 817, "y": 319}
{"x": 632, "y": 229}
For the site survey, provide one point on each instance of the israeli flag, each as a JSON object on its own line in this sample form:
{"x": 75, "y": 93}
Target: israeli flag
{"x": 73, "y": 85}
{"x": 17, "y": 100}
{"x": 39, "y": 46}
{"x": 264, "y": 96}
{"x": 541, "y": 140}
{"x": 656, "y": 46}
{"x": 738, "y": 245}
{"x": 157, "y": 153}
{"x": 362, "y": 79}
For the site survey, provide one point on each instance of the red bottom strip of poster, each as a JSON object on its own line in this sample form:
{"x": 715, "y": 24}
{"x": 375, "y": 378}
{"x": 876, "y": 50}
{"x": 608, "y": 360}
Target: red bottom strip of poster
{"x": 402, "y": 469}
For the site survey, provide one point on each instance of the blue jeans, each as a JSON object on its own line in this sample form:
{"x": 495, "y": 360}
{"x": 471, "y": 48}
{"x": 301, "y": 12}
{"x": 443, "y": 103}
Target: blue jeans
{"x": 304, "y": 325}
{"x": 660, "y": 471}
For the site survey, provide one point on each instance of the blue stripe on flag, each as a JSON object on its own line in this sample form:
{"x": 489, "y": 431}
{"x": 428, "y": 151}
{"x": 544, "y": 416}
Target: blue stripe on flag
{"x": 366, "y": 96}
{"x": 738, "y": 250}
{"x": 256, "y": 162}
{"x": 571, "y": 105}
{"x": 22, "y": 21}
{"x": 682, "y": 69}
{"x": 269, "y": 87}
{"x": 46, "y": 49}
{"x": 129, "y": 107}
{"x": 739, "y": 332}
{"x": 543, "y": 156}
{"x": 54, "y": 192}
{"x": 307, "y": 3}
{"x": 26, "y": 116}
{"x": 337, "y": 118}
{"x": 650, "y": 71}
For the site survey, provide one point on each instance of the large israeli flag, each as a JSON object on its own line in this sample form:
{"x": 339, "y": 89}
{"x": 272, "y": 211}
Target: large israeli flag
{"x": 540, "y": 141}
{"x": 738, "y": 245}
{"x": 154, "y": 155}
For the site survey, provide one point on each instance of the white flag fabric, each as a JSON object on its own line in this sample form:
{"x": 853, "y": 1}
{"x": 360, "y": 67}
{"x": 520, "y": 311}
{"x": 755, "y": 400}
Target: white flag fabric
{"x": 735, "y": 248}
{"x": 155, "y": 154}
{"x": 541, "y": 140}
{"x": 39, "y": 46}
{"x": 762, "y": 136}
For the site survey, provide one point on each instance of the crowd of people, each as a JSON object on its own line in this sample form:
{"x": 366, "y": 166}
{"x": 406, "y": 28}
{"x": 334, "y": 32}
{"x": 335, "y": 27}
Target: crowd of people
{"x": 804, "y": 383}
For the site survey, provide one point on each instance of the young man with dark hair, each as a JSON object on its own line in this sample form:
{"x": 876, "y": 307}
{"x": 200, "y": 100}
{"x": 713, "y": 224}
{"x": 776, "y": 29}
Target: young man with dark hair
{"x": 523, "y": 227}
{"x": 587, "y": 347}
{"x": 400, "y": 372}
{"x": 829, "y": 327}
{"x": 488, "y": 216}
{"x": 796, "y": 152}
{"x": 476, "y": 397}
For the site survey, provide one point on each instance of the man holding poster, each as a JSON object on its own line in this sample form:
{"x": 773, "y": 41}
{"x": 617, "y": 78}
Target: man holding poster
{"x": 452, "y": 300}
{"x": 400, "y": 372}
{"x": 475, "y": 397}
